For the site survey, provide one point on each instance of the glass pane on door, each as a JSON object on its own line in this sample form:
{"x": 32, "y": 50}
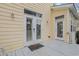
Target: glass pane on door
{"x": 29, "y": 29}
{"x": 38, "y": 29}
{"x": 59, "y": 29}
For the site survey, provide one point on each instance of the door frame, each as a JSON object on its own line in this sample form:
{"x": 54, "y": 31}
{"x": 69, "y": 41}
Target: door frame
{"x": 25, "y": 31}
{"x": 58, "y": 20}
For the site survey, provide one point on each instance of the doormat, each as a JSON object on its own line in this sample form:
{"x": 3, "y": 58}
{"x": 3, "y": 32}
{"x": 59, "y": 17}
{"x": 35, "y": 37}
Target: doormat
{"x": 35, "y": 46}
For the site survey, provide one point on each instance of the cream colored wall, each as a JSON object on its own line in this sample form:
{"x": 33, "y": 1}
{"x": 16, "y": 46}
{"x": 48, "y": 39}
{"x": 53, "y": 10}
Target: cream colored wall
{"x": 58, "y": 12}
{"x": 74, "y": 24}
{"x": 12, "y": 28}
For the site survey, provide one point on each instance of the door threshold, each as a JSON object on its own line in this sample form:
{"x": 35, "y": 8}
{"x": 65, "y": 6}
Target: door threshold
{"x": 32, "y": 42}
{"x": 59, "y": 40}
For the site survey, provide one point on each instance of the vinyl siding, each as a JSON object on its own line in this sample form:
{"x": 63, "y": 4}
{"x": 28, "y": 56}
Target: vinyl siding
{"x": 12, "y": 29}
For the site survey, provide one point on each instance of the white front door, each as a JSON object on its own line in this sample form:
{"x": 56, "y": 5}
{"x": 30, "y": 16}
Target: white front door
{"x": 33, "y": 28}
{"x": 38, "y": 29}
{"x": 59, "y": 29}
{"x": 30, "y": 28}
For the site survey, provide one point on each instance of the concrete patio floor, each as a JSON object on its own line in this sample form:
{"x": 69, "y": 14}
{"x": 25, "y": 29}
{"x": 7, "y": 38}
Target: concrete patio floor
{"x": 51, "y": 48}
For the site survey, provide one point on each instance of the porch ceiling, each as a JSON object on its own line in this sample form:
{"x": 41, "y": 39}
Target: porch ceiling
{"x": 65, "y": 6}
